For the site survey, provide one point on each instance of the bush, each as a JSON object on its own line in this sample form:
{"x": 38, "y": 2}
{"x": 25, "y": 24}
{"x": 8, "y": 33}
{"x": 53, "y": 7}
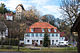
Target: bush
{"x": 10, "y": 42}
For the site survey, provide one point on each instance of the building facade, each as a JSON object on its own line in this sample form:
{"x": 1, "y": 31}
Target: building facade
{"x": 35, "y": 34}
{"x": 19, "y": 11}
{"x": 9, "y": 16}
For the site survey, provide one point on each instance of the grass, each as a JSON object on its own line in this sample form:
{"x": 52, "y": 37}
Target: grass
{"x": 23, "y": 49}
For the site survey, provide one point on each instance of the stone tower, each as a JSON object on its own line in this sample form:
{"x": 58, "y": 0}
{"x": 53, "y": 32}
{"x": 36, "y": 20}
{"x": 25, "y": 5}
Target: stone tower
{"x": 19, "y": 11}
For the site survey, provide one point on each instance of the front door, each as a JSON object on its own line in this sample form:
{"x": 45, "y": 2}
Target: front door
{"x": 33, "y": 41}
{"x": 40, "y": 42}
{"x": 52, "y": 42}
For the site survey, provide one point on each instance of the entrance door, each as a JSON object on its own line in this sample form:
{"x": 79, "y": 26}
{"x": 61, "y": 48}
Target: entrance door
{"x": 40, "y": 42}
{"x": 33, "y": 42}
{"x": 52, "y": 42}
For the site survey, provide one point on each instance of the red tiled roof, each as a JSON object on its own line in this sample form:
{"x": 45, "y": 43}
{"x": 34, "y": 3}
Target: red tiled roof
{"x": 42, "y": 25}
{"x": 38, "y": 26}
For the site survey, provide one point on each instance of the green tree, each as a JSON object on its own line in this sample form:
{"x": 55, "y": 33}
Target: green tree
{"x": 2, "y": 8}
{"x": 46, "y": 41}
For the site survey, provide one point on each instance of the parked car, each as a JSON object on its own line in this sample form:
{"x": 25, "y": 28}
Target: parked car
{"x": 63, "y": 43}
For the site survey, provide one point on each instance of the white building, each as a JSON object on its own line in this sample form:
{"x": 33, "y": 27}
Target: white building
{"x": 35, "y": 34}
{"x": 9, "y": 16}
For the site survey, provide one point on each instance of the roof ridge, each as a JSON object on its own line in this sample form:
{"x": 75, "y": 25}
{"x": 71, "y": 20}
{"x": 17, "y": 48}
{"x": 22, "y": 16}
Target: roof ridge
{"x": 42, "y": 25}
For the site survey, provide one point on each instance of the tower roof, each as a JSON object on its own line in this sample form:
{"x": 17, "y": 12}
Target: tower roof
{"x": 21, "y": 6}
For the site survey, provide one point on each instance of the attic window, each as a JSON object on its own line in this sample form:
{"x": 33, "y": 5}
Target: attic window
{"x": 32, "y": 30}
{"x": 42, "y": 30}
{"x": 55, "y": 30}
{"x": 49, "y": 30}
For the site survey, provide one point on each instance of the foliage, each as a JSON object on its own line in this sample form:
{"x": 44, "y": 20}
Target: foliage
{"x": 69, "y": 14}
{"x": 2, "y": 29}
{"x": 46, "y": 41}
{"x": 52, "y": 20}
{"x": 70, "y": 9}
{"x": 3, "y": 9}
{"x": 31, "y": 15}
{"x": 10, "y": 41}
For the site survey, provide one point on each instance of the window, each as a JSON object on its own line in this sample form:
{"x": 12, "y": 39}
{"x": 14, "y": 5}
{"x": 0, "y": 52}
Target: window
{"x": 52, "y": 35}
{"x": 56, "y": 35}
{"x": 32, "y": 30}
{"x": 28, "y": 35}
{"x": 40, "y": 35}
{"x": 49, "y": 30}
{"x": 27, "y": 40}
{"x": 36, "y": 40}
{"x": 56, "y": 40}
{"x": 42, "y": 30}
{"x": 55, "y": 30}
{"x": 48, "y": 35}
{"x": 36, "y": 34}
{"x": 52, "y": 40}
{"x": 32, "y": 34}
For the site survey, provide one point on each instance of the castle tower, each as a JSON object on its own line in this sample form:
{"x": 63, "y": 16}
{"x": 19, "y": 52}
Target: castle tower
{"x": 19, "y": 11}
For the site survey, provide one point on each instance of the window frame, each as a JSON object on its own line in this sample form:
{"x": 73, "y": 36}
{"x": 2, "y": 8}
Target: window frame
{"x": 43, "y": 30}
{"x": 32, "y": 30}
{"x": 49, "y": 30}
{"x": 55, "y": 30}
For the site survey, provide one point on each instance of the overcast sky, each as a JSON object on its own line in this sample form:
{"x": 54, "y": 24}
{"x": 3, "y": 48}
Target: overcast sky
{"x": 44, "y": 6}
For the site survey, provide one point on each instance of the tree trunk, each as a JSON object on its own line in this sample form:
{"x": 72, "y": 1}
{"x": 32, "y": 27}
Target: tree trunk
{"x": 2, "y": 40}
{"x": 18, "y": 43}
{"x": 78, "y": 42}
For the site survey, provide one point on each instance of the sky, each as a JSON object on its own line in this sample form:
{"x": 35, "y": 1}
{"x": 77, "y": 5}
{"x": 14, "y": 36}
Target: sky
{"x": 43, "y": 6}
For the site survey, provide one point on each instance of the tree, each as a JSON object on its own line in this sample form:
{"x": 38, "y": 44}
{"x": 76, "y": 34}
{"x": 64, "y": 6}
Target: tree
{"x": 69, "y": 13}
{"x": 48, "y": 18}
{"x": 46, "y": 41}
{"x": 52, "y": 20}
{"x": 31, "y": 15}
{"x": 3, "y": 10}
{"x": 65, "y": 28}
{"x": 2, "y": 30}
{"x": 70, "y": 9}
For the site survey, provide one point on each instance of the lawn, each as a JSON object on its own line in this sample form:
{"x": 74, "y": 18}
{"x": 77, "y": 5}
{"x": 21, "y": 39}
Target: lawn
{"x": 23, "y": 49}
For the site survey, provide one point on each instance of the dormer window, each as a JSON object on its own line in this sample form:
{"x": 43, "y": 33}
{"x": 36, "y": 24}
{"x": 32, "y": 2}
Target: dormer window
{"x": 55, "y": 30}
{"x": 32, "y": 30}
{"x": 49, "y": 30}
{"x": 42, "y": 30}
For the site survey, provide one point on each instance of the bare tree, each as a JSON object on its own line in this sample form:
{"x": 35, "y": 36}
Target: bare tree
{"x": 2, "y": 30}
{"x": 69, "y": 13}
{"x": 70, "y": 10}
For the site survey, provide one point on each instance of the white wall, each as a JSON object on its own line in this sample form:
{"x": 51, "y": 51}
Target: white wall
{"x": 9, "y": 17}
{"x": 41, "y": 38}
